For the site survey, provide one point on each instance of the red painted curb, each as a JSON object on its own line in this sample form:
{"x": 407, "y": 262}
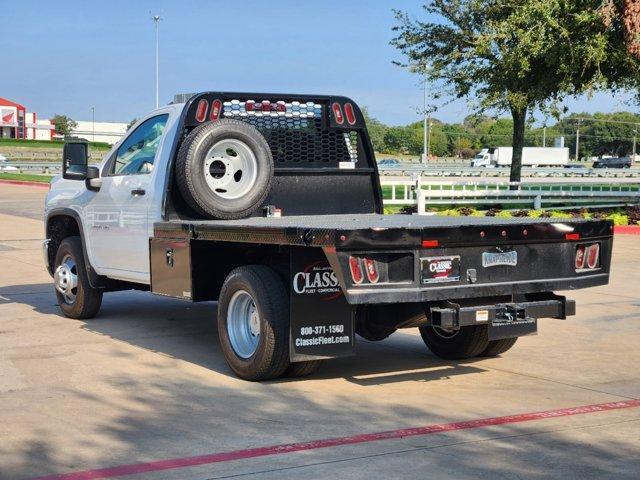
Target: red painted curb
{"x": 25, "y": 182}
{"x": 184, "y": 462}
{"x": 626, "y": 229}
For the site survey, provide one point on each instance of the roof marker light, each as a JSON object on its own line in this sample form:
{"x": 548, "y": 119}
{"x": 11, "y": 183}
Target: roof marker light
{"x": 337, "y": 113}
{"x": 350, "y": 113}
{"x": 572, "y": 236}
{"x": 216, "y": 108}
{"x": 201, "y": 110}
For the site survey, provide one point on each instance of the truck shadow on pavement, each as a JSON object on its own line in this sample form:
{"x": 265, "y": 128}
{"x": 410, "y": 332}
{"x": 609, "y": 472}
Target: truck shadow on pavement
{"x": 126, "y": 405}
{"x": 188, "y": 332}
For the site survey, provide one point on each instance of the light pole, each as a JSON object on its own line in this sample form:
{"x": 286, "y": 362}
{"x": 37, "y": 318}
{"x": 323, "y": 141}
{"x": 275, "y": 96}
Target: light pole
{"x": 544, "y": 136}
{"x": 93, "y": 124}
{"x": 635, "y": 134}
{"x": 425, "y": 122}
{"x": 578, "y": 142}
{"x": 156, "y": 20}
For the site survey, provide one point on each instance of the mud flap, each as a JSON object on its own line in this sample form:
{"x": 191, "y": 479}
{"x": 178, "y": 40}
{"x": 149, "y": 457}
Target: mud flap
{"x": 321, "y": 320}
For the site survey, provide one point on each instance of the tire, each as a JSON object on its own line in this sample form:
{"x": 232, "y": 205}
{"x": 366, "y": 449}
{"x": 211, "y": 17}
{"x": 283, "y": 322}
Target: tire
{"x": 302, "y": 369}
{"x": 253, "y": 323}
{"x": 497, "y": 347}
{"x": 375, "y": 322}
{"x": 224, "y": 169}
{"x": 83, "y": 301}
{"x": 466, "y": 342}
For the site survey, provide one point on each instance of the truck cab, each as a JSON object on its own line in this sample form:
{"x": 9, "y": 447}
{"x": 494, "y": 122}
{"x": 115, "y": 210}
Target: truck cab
{"x": 482, "y": 159}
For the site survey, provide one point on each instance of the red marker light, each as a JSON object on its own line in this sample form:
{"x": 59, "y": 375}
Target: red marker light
{"x": 201, "y": 110}
{"x": 356, "y": 270}
{"x": 349, "y": 113}
{"x": 572, "y": 236}
{"x": 216, "y": 107}
{"x": 337, "y": 113}
{"x": 593, "y": 255}
{"x": 250, "y": 105}
{"x": 372, "y": 270}
{"x": 580, "y": 257}
{"x": 430, "y": 243}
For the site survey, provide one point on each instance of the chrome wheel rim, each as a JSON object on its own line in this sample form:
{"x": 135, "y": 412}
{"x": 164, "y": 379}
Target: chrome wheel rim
{"x": 446, "y": 333}
{"x": 65, "y": 279}
{"x": 243, "y": 324}
{"x": 230, "y": 169}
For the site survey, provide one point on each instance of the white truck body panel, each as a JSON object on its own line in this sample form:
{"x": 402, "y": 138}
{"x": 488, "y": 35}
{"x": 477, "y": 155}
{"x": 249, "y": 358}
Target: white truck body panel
{"x": 116, "y": 224}
{"x": 531, "y": 157}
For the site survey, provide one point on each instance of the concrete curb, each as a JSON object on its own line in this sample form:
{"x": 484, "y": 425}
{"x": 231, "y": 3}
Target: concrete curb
{"x": 25, "y": 182}
{"x": 626, "y": 230}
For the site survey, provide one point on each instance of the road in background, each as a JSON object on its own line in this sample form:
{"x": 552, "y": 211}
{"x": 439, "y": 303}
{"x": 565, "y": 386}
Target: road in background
{"x": 146, "y": 381}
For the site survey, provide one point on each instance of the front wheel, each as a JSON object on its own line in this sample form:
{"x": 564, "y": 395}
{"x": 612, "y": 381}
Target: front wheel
{"x": 455, "y": 344}
{"x": 76, "y": 297}
{"x": 253, "y": 323}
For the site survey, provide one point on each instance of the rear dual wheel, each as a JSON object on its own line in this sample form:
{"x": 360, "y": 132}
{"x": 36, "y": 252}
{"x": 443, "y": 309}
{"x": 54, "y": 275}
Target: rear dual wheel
{"x": 253, "y": 325}
{"x": 463, "y": 342}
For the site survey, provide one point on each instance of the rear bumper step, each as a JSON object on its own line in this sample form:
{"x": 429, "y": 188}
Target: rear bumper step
{"x": 505, "y": 320}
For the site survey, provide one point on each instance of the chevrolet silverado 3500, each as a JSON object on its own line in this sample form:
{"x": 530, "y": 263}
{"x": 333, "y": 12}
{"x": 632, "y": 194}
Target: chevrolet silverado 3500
{"x": 271, "y": 204}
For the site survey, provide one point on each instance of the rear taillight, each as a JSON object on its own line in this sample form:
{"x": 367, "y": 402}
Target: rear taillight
{"x": 580, "y": 257}
{"x": 349, "y": 113}
{"x": 201, "y": 110}
{"x": 593, "y": 255}
{"x": 356, "y": 270}
{"x": 371, "y": 269}
{"x": 216, "y": 107}
{"x": 337, "y": 113}
{"x": 587, "y": 256}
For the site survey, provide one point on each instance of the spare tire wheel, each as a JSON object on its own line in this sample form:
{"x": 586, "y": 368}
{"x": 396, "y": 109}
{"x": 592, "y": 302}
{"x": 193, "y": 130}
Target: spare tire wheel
{"x": 224, "y": 169}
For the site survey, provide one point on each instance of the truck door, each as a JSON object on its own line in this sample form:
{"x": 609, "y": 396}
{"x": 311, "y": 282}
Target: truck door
{"x": 117, "y": 219}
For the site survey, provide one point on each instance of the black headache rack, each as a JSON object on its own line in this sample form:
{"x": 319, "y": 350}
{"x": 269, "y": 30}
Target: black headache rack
{"x": 323, "y": 158}
{"x": 538, "y": 255}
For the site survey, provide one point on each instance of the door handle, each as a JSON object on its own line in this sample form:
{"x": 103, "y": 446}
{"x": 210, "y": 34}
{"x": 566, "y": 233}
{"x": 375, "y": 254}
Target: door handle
{"x": 136, "y": 192}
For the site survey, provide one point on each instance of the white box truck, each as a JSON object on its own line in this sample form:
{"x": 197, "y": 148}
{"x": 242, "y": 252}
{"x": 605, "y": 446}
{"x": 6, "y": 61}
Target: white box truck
{"x": 531, "y": 157}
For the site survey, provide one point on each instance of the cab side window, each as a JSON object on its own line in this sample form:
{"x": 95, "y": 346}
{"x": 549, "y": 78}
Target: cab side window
{"x": 138, "y": 151}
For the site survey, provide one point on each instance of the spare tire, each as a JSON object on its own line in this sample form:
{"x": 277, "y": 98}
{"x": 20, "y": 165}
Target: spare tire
{"x": 224, "y": 169}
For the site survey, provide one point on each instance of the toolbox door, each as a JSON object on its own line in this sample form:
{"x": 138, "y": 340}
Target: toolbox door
{"x": 171, "y": 267}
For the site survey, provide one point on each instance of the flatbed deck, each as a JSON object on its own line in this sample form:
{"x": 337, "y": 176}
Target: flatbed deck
{"x": 374, "y": 230}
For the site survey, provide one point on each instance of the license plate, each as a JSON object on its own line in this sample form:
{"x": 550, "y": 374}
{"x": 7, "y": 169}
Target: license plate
{"x": 492, "y": 259}
{"x": 440, "y": 269}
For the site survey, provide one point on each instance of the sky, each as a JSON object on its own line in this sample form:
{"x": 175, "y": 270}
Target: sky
{"x": 66, "y": 57}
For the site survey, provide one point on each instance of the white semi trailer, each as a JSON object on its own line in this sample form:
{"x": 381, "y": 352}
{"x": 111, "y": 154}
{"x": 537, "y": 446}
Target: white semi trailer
{"x": 531, "y": 157}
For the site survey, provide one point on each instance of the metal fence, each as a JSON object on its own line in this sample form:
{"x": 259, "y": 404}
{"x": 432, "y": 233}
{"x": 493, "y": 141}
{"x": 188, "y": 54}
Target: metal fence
{"x": 448, "y": 170}
{"x": 565, "y": 195}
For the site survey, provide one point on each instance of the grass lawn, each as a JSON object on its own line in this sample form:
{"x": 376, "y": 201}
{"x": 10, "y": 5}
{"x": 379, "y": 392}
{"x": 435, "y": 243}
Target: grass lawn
{"x": 11, "y": 142}
{"x": 26, "y": 177}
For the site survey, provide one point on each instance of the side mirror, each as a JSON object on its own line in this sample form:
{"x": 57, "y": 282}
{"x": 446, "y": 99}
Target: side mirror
{"x": 94, "y": 182}
{"x": 75, "y": 160}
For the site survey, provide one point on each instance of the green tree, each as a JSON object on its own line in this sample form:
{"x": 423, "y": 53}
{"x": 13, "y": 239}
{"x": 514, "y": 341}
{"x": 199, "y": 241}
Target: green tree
{"x": 398, "y": 140}
{"x": 515, "y": 56}
{"x": 377, "y": 131}
{"x": 63, "y": 125}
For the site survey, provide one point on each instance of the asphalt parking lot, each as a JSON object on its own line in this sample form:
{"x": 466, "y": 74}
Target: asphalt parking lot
{"x": 143, "y": 392}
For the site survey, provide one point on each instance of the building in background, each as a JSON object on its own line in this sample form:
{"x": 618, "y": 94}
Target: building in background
{"x": 16, "y": 122}
{"x": 107, "y": 132}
